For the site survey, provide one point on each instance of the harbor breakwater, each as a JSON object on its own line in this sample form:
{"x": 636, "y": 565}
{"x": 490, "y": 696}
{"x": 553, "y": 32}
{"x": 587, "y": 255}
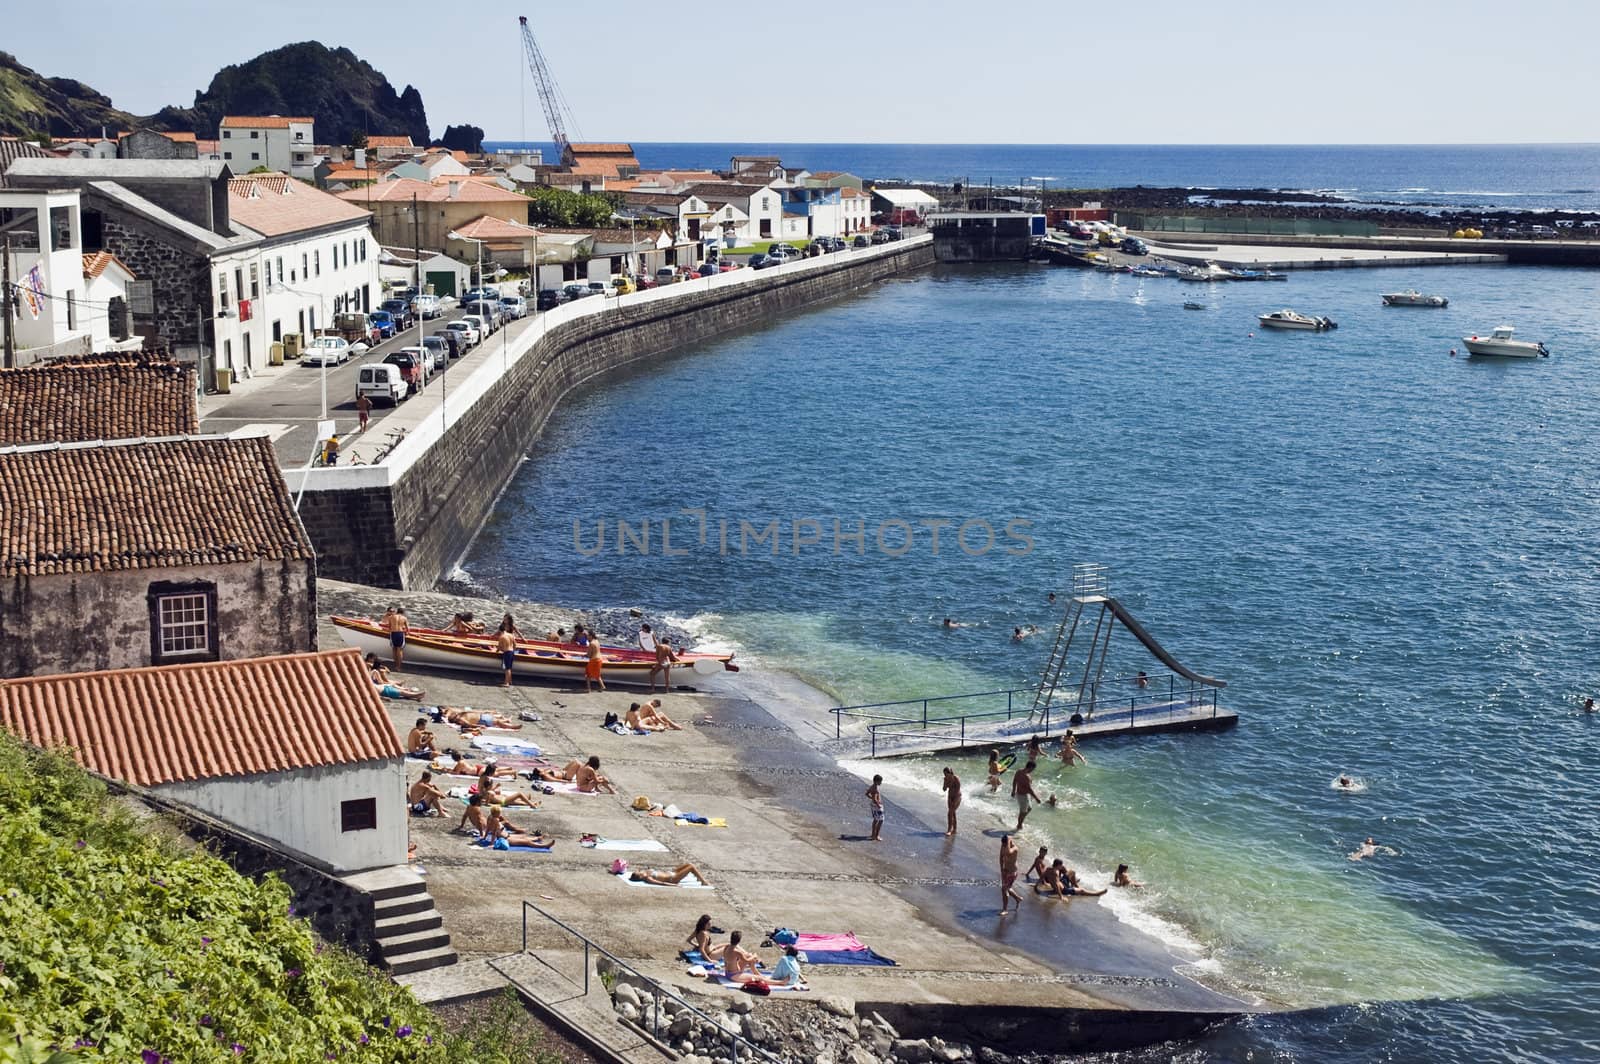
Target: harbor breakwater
{"x": 403, "y": 523}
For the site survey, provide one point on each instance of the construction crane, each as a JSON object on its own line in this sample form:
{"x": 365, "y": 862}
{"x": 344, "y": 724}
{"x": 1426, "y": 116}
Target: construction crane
{"x": 555, "y": 104}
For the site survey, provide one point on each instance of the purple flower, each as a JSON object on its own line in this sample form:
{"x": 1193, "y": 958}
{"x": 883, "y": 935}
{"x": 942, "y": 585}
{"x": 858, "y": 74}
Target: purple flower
{"x": 404, "y": 1032}
{"x": 291, "y": 910}
{"x": 427, "y": 1039}
{"x": 387, "y": 1020}
{"x": 206, "y": 1021}
{"x": 80, "y": 844}
{"x": 365, "y": 1039}
{"x": 293, "y": 973}
{"x": 83, "y": 1043}
{"x": 205, "y": 940}
{"x": 237, "y": 1048}
{"x": 150, "y": 1056}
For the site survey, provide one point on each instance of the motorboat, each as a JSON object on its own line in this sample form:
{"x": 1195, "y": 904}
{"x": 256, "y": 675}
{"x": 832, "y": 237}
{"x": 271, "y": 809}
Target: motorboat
{"x": 1288, "y": 319}
{"x": 1499, "y": 343}
{"x": 1413, "y": 298}
{"x": 533, "y": 657}
{"x": 1192, "y": 305}
{"x": 1209, "y": 272}
{"x": 1259, "y": 275}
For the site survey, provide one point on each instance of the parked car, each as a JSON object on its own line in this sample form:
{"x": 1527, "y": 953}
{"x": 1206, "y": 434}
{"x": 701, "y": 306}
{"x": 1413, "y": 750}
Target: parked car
{"x": 667, "y": 275}
{"x": 880, "y": 236}
{"x": 708, "y": 269}
{"x": 643, "y": 281}
{"x": 727, "y": 267}
{"x": 1132, "y": 245}
{"x": 860, "y": 241}
{"x": 622, "y": 285}
{"x": 479, "y": 323}
{"x": 454, "y": 343}
{"x": 894, "y": 232}
{"x": 471, "y": 337}
{"x": 597, "y": 288}
{"x": 383, "y": 383}
{"x": 514, "y": 307}
{"x": 413, "y": 363}
{"x": 575, "y": 291}
{"x": 440, "y": 350}
{"x": 400, "y": 311}
{"x": 550, "y": 298}
{"x": 784, "y": 249}
{"x": 384, "y": 323}
{"x": 326, "y": 351}
{"x": 759, "y": 261}
{"x": 472, "y": 295}
{"x": 426, "y": 307}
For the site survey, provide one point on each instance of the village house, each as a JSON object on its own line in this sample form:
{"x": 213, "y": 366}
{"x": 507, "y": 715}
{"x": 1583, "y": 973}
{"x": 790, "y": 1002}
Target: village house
{"x": 94, "y": 146}
{"x": 431, "y": 166}
{"x": 14, "y": 148}
{"x": 106, "y": 397}
{"x": 151, "y": 144}
{"x": 225, "y": 265}
{"x": 140, "y": 552}
{"x": 385, "y": 146}
{"x": 294, "y": 749}
{"x": 440, "y": 207}
{"x": 902, "y": 205}
{"x": 441, "y": 274}
{"x": 735, "y": 214}
{"x": 272, "y": 141}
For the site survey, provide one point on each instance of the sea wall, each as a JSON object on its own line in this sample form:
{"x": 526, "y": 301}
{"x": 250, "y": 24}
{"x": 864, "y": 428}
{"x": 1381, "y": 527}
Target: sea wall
{"x": 403, "y": 523}
{"x": 1517, "y": 252}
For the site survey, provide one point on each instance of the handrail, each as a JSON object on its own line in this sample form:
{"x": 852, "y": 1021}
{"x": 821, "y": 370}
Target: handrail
{"x": 657, "y": 990}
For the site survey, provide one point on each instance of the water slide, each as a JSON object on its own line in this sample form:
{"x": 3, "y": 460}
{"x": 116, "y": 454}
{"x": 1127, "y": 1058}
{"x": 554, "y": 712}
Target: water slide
{"x": 1132, "y": 625}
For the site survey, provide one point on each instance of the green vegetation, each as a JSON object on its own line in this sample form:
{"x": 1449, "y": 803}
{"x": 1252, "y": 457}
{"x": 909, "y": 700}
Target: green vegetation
{"x": 558, "y": 206}
{"x": 123, "y": 944}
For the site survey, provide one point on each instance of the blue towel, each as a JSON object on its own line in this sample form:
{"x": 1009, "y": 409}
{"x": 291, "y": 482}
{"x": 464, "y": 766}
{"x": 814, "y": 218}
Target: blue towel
{"x": 693, "y": 818}
{"x": 865, "y": 957}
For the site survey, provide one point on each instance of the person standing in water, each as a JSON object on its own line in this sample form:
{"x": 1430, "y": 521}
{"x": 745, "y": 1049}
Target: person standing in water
{"x": 952, "y": 789}
{"x": 1022, "y": 791}
{"x": 1070, "y": 751}
{"x": 995, "y": 769}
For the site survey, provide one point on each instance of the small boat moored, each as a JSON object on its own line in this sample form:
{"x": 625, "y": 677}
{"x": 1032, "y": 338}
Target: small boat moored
{"x": 1413, "y": 298}
{"x": 1289, "y": 319}
{"x": 1499, "y": 343}
{"x": 1192, "y": 305}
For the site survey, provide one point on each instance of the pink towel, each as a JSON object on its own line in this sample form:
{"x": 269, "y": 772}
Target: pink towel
{"x": 847, "y": 941}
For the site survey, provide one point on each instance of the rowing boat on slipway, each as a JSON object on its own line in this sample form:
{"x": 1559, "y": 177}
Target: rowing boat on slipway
{"x": 533, "y": 657}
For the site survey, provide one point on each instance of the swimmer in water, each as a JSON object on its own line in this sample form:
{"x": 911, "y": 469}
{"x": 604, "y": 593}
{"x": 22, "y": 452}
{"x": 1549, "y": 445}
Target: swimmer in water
{"x": 1588, "y": 705}
{"x": 948, "y": 623}
{"x": 1346, "y": 783}
{"x": 1123, "y": 879}
{"x": 1070, "y": 751}
{"x": 1366, "y": 849}
{"x": 995, "y": 769}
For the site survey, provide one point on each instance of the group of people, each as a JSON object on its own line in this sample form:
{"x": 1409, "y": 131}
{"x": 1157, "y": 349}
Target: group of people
{"x": 740, "y": 964}
{"x": 648, "y": 716}
{"x": 1050, "y": 877}
{"x": 387, "y": 685}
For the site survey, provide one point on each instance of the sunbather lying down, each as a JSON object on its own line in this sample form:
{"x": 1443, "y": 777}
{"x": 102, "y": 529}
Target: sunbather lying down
{"x": 667, "y": 879}
{"x": 456, "y": 764}
{"x": 477, "y": 718}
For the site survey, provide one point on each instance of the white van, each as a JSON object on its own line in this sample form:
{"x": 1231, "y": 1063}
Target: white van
{"x": 382, "y": 383}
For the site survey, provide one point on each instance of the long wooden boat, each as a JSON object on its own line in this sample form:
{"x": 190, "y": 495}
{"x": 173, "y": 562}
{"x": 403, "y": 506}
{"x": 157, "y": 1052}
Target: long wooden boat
{"x": 534, "y": 657}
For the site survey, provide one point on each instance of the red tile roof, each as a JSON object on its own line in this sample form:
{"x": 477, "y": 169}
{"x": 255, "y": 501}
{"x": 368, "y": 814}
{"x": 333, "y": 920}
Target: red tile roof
{"x": 95, "y": 263}
{"x": 206, "y": 721}
{"x": 601, "y": 149}
{"x": 81, "y": 402}
{"x": 84, "y": 508}
{"x": 275, "y": 204}
{"x": 402, "y": 189}
{"x": 491, "y": 228}
{"x": 260, "y": 121}
{"x": 375, "y": 140}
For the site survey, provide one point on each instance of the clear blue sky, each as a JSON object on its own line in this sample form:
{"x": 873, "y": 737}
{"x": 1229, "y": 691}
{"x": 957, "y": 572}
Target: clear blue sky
{"x": 1148, "y": 71}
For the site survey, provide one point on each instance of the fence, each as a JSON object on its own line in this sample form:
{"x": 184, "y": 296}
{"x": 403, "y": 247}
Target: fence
{"x": 1179, "y": 223}
{"x": 657, "y": 992}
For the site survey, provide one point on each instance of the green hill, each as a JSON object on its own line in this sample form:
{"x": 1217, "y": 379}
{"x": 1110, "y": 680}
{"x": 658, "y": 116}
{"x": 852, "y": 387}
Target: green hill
{"x": 31, "y": 103}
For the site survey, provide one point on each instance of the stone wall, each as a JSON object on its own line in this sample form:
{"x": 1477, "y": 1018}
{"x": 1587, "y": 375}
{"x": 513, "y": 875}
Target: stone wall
{"x": 410, "y": 534}
{"x": 181, "y": 276}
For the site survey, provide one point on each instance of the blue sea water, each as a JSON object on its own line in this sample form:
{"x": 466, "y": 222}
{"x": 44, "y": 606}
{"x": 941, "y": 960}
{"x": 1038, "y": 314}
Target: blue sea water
{"x": 1388, "y": 552}
{"x": 1485, "y": 176}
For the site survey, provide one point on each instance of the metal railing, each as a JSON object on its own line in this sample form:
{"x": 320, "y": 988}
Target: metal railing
{"x": 1143, "y": 706}
{"x": 657, "y": 991}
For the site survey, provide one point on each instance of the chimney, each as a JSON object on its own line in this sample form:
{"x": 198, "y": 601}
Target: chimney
{"x": 455, "y": 189}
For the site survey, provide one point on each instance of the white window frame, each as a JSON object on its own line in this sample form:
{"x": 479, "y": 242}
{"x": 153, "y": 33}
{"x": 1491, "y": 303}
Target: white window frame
{"x": 181, "y": 618}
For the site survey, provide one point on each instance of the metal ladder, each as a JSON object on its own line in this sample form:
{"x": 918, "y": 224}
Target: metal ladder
{"x": 1089, "y": 587}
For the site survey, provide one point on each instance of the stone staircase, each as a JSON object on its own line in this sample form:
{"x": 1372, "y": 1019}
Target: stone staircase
{"x": 411, "y": 935}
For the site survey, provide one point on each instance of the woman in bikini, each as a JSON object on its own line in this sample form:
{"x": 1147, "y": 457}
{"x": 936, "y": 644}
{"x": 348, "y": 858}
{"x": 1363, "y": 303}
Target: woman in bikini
{"x": 656, "y": 877}
{"x": 700, "y": 939}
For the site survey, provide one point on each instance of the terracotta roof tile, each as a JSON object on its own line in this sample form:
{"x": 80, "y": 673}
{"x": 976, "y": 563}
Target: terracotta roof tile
{"x": 208, "y": 720}
{"x": 601, "y": 149}
{"x": 402, "y": 189}
{"x": 375, "y": 140}
{"x": 488, "y": 227}
{"x": 81, "y": 508}
{"x": 95, "y": 263}
{"x": 80, "y": 402}
{"x": 275, "y": 204}
{"x": 259, "y": 121}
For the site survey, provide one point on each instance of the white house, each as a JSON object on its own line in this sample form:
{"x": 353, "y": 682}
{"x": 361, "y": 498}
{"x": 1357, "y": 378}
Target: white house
{"x": 856, "y": 207}
{"x": 295, "y": 749}
{"x": 902, "y": 204}
{"x": 272, "y": 141}
{"x": 734, "y": 214}
{"x": 430, "y": 166}
{"x": 101, "y": 147}
{"x": 105, "y": 283}
{"x": 47, "y": 270}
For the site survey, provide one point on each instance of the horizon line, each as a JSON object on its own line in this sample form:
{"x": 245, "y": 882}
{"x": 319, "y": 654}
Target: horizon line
{"x": 1094, "y": 144}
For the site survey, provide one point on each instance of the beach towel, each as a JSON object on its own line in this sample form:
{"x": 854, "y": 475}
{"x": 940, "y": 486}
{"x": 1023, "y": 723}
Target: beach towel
{"x": 507, "y": 744}
{"x": 688, "y": 883}
{"x": 843, "y": 948}
{"x": 694, "y": 957}
{"x": 722, "y": 980}
{"x": 488, "y": 844}
{"x": 565, "y": 788}
{"x": 809, "y": 941}
{"x": 650, "y": 845}
{"x": 696, "y": 820}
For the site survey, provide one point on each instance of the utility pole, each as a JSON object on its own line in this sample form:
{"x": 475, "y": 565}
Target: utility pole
{"x": 5, "y": 303}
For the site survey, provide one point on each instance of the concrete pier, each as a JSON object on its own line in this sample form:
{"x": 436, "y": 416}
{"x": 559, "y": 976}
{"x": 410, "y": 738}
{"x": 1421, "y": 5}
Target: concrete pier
{"x": 1263, "y": 256}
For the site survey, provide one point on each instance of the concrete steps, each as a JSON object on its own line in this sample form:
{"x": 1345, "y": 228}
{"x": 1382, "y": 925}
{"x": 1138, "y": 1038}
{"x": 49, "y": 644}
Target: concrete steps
{"x": 410, "y": 933}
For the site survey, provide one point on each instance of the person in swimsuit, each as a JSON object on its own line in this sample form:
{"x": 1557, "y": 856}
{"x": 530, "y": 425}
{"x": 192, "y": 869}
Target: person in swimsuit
{"x": 1072, "y": 886}
{"x": 475, "y": 816}
{"x": 1070, "y": 751}
{"x": 425, "y": 797}
{"x": 1123, "y": 879}
{"x": 665, "y": 659}
{"x": 1035, "y": 748}
{"x": 1141, "y": 681}
{"x": 1022, "y": 791}
{"x": 458, "y": 765}
{"x": 1053, "y": 880}
{"x": 1365, "y": 850}
{"x": 700, "y": 939}
{"x": 634, "y": 720}
{"x": 463, "y": 624}
{"x": 1038, "y": 866}
{"x": 875, "y": 796}
{"x": 658, "y": 878}
{"x": 994, "y": 770}
{"x": 738, "y": 962}
{"x": 952, "y": 789}
{"x": 509, "y": 625}
{"x": 588, "y": 778}
{"x": 395, "y": 623}
{"x": 1008, "y": 874}
{"x": 506, "y": 644}
{"x": 489, "y": 787}
{"x": 419, "y": 740}
{"x": 651, "y": 712}
{"x": 592, "y": 667}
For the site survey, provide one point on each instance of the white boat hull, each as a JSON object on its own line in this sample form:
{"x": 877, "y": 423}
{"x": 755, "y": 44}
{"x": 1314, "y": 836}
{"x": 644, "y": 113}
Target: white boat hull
{"x": 1414, "y": 299}
{"x": 1280, "y": 323}
{"x": 1504, "y": 348}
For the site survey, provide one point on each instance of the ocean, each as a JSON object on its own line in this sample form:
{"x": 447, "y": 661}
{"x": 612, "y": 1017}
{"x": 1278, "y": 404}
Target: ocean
{"x": 1387, "y": 551}
{"x": 1484, "y": 176}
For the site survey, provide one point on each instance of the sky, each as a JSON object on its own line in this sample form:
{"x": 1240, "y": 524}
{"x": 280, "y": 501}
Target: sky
{"x": 899, "y": 71}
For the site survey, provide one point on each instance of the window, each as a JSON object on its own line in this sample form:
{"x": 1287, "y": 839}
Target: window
{"x": 316, "y": 260}
{"x": 255, "y": 155}
{"x": 358, "y": 814}
{"x": 227, "y": 155}
{"x": 280, "y": 269}
{"x": 227, "y": 134}
{"x": 183, "y": 622}
{"x": 299, "y": 135}
{"x": 255, "y": 282}
{"x": 238, "y": 283}
{"x": 305, "y": 265}
{"x": 72, "y": 310}
{"x": 255, "y": 134}
{"x": 222, "y": 289}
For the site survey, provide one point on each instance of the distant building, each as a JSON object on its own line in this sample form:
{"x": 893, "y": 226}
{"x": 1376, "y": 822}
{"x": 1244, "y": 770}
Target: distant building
{"x": 383, "y": 146}
{"x": 131, "y": 553}
{"x": 108, "y": 398}
{"x": 97, "y": 146}
{"x": 151, "y": 144}
{"x": 272, "y": 141}
{"x": 735, "y": 214}
{"x": 294, "y": 749}
{"x": 833, "y": 179}
{"x": 431, "y": 166}
{"x": 760, "y": 168}
{"x": 602, "y": 161}
{"x": 902, "y": 204}
{"x": 441, "y": 206}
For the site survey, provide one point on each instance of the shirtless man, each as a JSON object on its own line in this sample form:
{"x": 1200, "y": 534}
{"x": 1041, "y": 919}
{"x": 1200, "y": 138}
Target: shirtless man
{"x": 463, "y": 624}
{"x": 665, "y": 659}
{"x": 1365, "y": 850}
{"x": 1008, "y": 874}
{"x": 588, "y": 778}
{"x": 1038, "y": 866}
{"x": 479, "y": 718}
{"x": 425, "y": 797}
{"x": 396, "y": 624}
{"x": 593, "y": 667}
{"x": 952, "y": 788}
{"x": 656, "y": 877}
{"x": 738, "y": 963}
{"x": 506, "y": 644}
{"x": 636, "y": 722}
{"x": 1070, "y": 751}
{"x": 419, "y": 740}
{"x": 651, "y": 711}
{"x": 1053, "y": 880}
{"x": 475, "y": 816}
{"x": 460, "y": 766}
{"x": 1022, "y": 791}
